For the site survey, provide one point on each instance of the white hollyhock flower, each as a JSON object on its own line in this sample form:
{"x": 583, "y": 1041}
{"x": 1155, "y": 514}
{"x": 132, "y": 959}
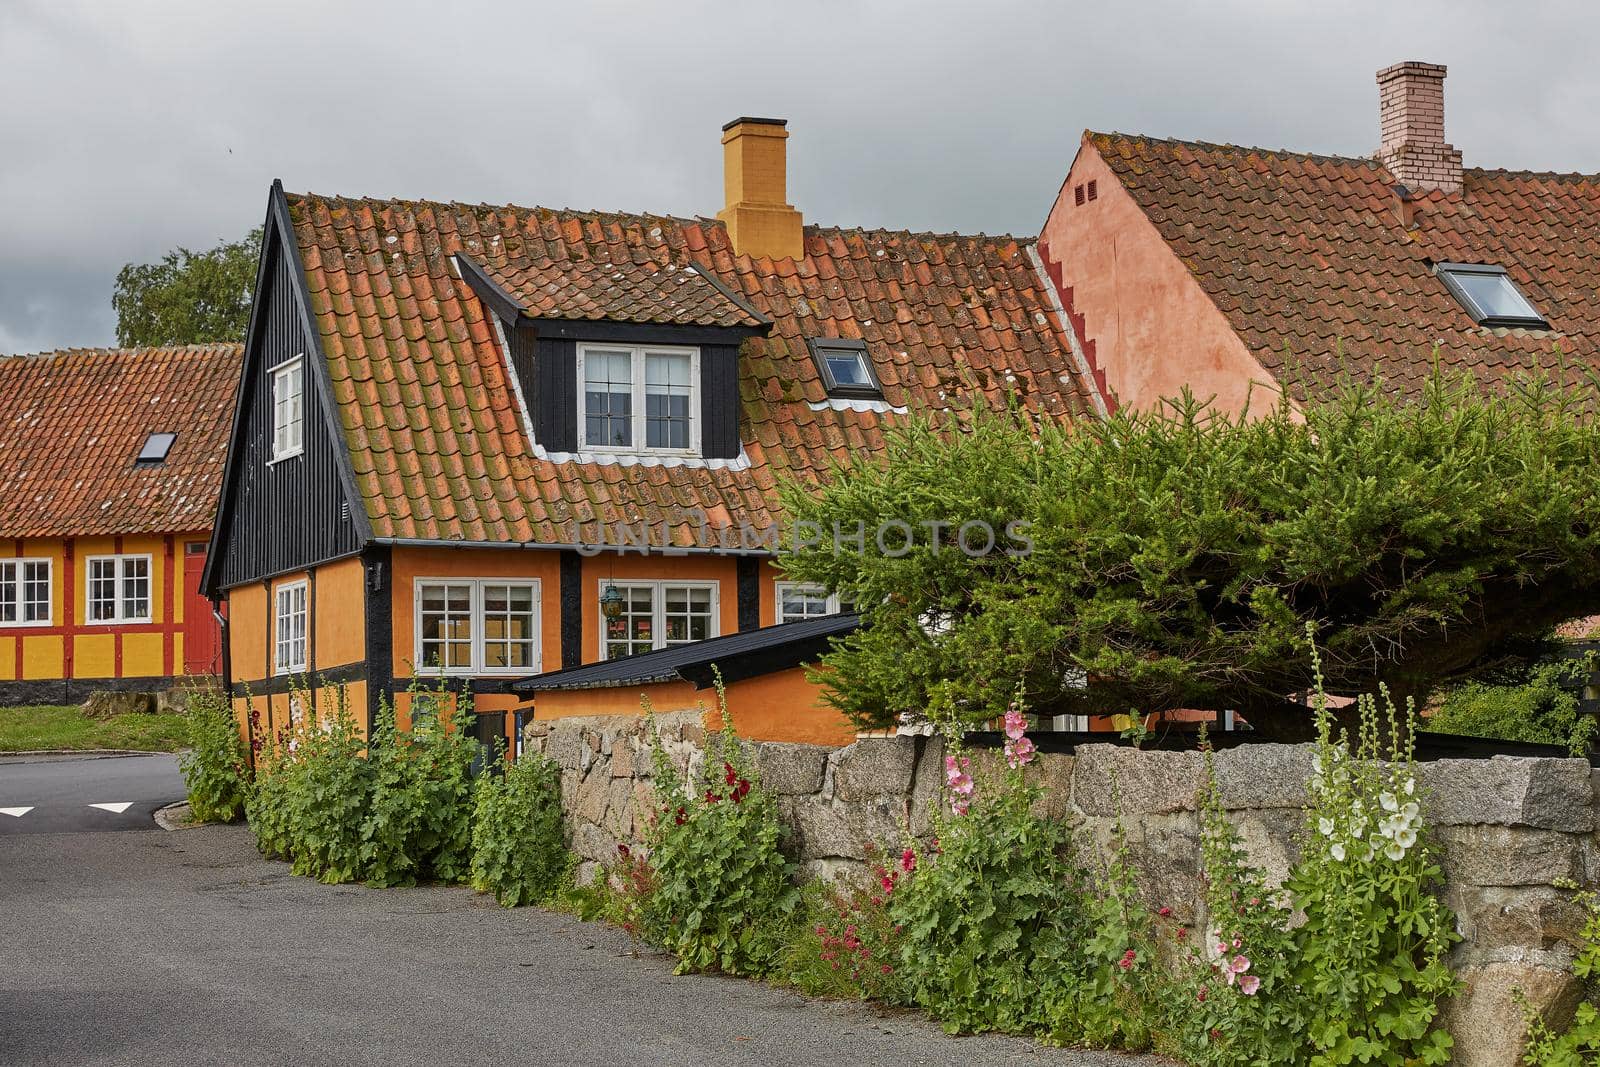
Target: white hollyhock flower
{"x": 1389, "y": 801}
{"x": 1316, "y": 764}
{"x": 1337, "y": 852}
{"x": 1394, "y": 850}
{"x": 1406, "y": 838}
{"x": 1325, "y": 826}
{"x": 1411, "y": 786}
{"x": 1367, "y": 854}
{"x": 1411, "y": 811}
{"x": 1358, "y": 828}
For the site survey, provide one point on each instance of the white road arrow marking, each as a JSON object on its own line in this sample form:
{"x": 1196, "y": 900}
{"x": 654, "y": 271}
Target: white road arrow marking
{"x": 16, "y": 813}
{"x": 115, "y": 809}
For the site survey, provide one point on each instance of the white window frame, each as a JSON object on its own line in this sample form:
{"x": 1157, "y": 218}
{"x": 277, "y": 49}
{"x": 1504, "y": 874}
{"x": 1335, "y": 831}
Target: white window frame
{"x": 658, "y": 611}
{"x": 22, "y": 563}
{"x": 282, "y": 448}
{"x": 282, "y": 664}
{"x": 779, "y": 588}
{"x": 120, "y": 584}
{"x": 638, "y": 353}
{"x": 476, "y": 615}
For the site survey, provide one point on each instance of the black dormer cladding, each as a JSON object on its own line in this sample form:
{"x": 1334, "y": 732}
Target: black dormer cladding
{"x": 547, "y": 369}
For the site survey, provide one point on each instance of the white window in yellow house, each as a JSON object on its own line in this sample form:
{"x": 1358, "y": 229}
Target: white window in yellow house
{"x": 798, "y": 601}
{"x": 658, "y": 614}
{"x": 289, "y": 629}
{"x": 119, "y": 589}
{"x": 476, "y": 626}
{"x": 25, "y": 592}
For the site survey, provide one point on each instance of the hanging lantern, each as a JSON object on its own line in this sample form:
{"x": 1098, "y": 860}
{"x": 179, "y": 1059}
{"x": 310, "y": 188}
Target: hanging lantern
{"x": 611, "y": 602}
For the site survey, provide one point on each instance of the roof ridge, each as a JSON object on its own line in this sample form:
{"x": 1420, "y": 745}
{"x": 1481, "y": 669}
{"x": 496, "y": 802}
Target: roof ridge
{"x": 1213, "y": 146}
{"x": 121, "y": 350}
{"x": 680, "y": 220}
{"x": 1539, "y": 175}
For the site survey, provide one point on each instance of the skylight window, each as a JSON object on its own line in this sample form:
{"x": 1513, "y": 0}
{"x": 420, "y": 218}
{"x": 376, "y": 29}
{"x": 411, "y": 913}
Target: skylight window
{"x": 1489, "y": 295}
{"x": 844, "y": 366}
{"x": 156, "y": 447}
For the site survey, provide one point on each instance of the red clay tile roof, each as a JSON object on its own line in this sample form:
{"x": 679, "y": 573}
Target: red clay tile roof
{"x": 75, "y": 420}
{"x": 1308, "y": 258}
{"x": 616, "y": 291}
{"x": 437, "y": 445}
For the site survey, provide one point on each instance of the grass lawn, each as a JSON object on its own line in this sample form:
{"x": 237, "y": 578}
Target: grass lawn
{"x": 27, "y": 728}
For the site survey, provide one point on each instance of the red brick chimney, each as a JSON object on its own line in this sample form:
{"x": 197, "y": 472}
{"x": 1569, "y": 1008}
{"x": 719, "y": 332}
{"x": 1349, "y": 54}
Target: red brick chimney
{"x": 1411, "y": 110}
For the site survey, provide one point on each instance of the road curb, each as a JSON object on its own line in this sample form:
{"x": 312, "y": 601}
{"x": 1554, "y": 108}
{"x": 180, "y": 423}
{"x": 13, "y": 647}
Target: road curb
{"x": 97, "y": 753}
{"x": 176, "y": 817}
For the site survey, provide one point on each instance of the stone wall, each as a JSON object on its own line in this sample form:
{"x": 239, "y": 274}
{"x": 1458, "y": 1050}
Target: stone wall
{"x": 1511, "y": 831}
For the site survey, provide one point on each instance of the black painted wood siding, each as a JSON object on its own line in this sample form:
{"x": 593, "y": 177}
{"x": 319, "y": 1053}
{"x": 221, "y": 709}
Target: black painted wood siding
{"x": 547, "y": 368}
{"x": 292, "y": 514}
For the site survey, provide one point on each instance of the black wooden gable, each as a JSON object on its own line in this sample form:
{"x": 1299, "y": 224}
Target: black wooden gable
{"x": 273, "y": 518}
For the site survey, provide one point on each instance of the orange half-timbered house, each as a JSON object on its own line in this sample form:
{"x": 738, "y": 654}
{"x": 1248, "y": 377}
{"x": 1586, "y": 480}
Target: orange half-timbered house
{"x": 488, "y": 443}
{"x": 110, "y": 461}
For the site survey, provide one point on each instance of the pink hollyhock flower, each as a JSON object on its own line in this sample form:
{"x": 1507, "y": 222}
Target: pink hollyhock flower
{"x": 908, "y": 861}
{"x": 959, "y": 805}
{"x": 1016, "y": 724}
{"x": 1201, "y": 996}
{"x": 1019, "y": 753}
{"x": 1237, "y": 966}
{"x": 1248, "y": 984}
{"x": 1164, "y": 911}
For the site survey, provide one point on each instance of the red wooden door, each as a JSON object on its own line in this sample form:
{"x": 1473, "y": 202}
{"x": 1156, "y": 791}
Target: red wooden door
{"x": 202, "y": 643}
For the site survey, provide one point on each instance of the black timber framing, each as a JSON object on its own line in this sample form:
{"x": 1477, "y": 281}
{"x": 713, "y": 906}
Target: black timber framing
{"x": 571, "y": 609}
{"x": 379, "y": 666}
{"x": 747, "y": 571}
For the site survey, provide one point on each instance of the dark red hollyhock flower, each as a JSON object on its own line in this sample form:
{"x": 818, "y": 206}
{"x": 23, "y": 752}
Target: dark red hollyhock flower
{"x": 711, "y": 798}
{"x": 741, "y": 790}
{"x": 624, "y": 850}
{"x": 728, "y": 773}
{"x": 682, "y": 817}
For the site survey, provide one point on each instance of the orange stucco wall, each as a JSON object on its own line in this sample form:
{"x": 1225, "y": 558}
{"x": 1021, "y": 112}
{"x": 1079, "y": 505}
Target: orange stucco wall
{"x": 1153, "y": 327}
{"x": 70, "y": 645}
{"x": 782, "y": 706}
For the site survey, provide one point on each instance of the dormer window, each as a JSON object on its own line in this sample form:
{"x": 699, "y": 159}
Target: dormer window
{"x": 846, "y": 371}
{"x": 155, "y": 450}
{"x": 640, "y": 399}
{"x": 1489, "y": 295}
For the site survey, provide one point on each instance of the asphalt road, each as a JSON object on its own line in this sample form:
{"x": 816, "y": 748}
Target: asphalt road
{"x": 187, "y": 948}
{"x": 60, "y": 794}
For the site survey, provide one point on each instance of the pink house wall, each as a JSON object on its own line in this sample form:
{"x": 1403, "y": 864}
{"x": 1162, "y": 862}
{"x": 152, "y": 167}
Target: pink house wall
{"x": 1143, "y": 319}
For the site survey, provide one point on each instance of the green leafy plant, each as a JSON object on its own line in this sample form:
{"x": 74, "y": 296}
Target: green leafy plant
{"x": 847, "y": 945}
{"x": 326, "y": 793}
{"x": 1580, "y": 1043}
{"x": 1371, "y": 953}
{"x": 216, "y": 771}
{"x": 1540, "y": 704}
{"x": 1176, "y": 556}
{"x": 188, "y": 298}
{"x": 417, "y": 824}
{"x": 723, "y": 897}
{"x": 518, "y": 845}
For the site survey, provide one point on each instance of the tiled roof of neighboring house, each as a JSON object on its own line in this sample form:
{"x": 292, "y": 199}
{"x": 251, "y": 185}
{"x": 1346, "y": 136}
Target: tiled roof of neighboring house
{"x": 437, "y": 445}
{"x": 1310, "y": 260}
{"x": 75, "y": 421}
{"x": 734, "y": 657}
{"x": 620, "y": 292}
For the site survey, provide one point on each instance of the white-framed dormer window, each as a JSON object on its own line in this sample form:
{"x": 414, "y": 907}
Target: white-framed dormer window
{"x": 639, "y": 399}
{"x": 289, "y": 628}
{"x": 657, "y": 615}
{"x": 797, "y": 601}
{"x": 25, "y": 592}
{"x": 119, "y": 589}
{"x": 288, "y": 409}
{"x": 476, "y": 626}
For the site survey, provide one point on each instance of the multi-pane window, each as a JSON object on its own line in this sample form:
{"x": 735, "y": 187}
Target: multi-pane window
{"x": 657, "y": 614}
{"x": 797, "y": 601}
{"x": 288, "y": 409}
{"x": 25, "y": 592}
{"x": 477, "y": 626}
{"x": 639, "y": 398}
{"x": 289, "y": 629}
{"x": 119, "y": 589}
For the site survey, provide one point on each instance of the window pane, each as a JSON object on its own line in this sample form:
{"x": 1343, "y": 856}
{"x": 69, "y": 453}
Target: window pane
{"x": 156, "y": 447}
{"x": 687, "y": 614}
{"x": 444, "y": 617}
{"x": 633, "y": 630}
{"x": 35, "y": 592}
{"x": 797, "y": 602}
{"x": 102, "y": 589}
{"x": 136, "y": 588}
{"x": 847, "y": 368}
{"x": 1495, "y": 294}
{"x": 508, "y": 626}
{"x": 608, "y": 398}
{"x": 8, "y": 592}
{"x": 666, "y": 399}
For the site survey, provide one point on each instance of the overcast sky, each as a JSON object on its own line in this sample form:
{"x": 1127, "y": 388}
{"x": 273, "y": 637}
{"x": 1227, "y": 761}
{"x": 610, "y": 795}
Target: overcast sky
{"x": 132, "y": 127}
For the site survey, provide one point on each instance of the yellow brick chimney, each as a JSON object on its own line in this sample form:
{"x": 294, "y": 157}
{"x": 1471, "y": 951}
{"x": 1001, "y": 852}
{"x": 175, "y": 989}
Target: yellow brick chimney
{"x": 760, "y": 220}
